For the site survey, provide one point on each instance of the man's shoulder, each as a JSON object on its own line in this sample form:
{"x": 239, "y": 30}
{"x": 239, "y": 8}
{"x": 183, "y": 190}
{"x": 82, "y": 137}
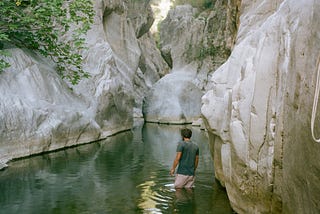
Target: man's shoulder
{"x": 194, "y": 144}
{"x": 180, "y": 143}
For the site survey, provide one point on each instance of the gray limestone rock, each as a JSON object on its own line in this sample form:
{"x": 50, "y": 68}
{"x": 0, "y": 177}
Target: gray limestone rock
{"x": 185, "y": 37}
{"x": 173, "y": 99}
{"x": 258, "y": 110}
{"x": 40, "y": 112}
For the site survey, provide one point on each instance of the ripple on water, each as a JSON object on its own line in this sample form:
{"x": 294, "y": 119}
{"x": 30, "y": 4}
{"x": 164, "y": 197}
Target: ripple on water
{"x": 118, "y": 175}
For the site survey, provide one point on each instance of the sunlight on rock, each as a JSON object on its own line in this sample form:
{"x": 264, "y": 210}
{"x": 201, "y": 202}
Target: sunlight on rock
{"x": 160, "y": 10}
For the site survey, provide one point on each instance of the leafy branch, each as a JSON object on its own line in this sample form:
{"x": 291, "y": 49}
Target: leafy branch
{"x": 54, "y": 28}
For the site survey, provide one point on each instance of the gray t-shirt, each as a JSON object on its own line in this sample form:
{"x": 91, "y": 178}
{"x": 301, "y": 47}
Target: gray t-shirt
{"x": 189, "y": 152}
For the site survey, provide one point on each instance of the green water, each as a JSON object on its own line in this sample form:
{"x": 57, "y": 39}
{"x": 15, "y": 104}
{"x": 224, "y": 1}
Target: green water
{"x": 126, "y": 173}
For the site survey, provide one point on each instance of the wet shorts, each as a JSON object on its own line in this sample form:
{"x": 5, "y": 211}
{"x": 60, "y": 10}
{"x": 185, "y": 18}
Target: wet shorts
{"x": 186, "y": 181}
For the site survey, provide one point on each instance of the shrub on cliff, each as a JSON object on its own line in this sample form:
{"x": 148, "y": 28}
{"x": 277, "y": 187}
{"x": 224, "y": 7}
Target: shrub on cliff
{"x": 54, "y": 28}
{"x": 200, "y": 4}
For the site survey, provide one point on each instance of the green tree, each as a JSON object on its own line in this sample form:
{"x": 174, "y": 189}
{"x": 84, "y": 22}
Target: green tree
{"x": 43, "y": 26}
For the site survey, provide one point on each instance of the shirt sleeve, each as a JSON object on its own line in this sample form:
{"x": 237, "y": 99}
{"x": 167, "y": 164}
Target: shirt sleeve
{"x": 180, "y": 147}
{"x": 197, "y": 153}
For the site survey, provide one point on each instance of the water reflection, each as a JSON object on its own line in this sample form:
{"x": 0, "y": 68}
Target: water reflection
{"x": 126, "y": 173}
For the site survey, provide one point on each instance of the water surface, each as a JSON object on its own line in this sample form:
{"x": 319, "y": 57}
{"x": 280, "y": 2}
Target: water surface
{"x": 126, "y": 173}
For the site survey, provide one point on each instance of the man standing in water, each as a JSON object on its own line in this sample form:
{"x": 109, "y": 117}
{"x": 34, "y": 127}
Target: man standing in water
{"x": 187, "y": 157}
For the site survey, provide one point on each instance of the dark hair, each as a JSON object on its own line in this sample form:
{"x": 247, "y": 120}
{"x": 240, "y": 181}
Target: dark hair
{"x": 186, "y": 133}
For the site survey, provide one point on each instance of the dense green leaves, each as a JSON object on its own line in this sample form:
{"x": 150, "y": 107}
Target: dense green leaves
{"x": 54, "y": 28}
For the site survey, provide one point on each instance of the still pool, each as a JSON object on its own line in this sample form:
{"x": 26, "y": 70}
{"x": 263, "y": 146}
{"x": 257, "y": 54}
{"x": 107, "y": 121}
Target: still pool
{"x": 126, "y": 173}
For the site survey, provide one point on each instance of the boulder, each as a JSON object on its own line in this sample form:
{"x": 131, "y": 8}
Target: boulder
{"x": 173, "y": 99}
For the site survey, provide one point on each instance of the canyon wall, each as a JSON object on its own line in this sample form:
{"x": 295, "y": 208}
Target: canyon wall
{"x": 252, "y": 79}
{"x": 259, "y": 108}
{"x": 194, "y": 41}
{"x": 40, "y": 112}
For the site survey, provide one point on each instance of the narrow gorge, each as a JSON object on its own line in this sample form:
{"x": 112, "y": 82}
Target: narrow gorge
{"x": 244, "y": 71}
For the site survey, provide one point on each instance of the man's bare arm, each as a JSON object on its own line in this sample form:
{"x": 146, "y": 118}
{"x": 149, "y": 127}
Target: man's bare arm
{"x": 175, "y": 163}
{"x": 196, "y": 162}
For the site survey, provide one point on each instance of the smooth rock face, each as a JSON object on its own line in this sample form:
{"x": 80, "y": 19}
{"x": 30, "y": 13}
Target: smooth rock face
{"x": 185, "y": 38}
{"x": 259, "y": 110}
{"x": 37, "y": 110}
{"x": 179, "y": 32}
{"x": 173, "y": 99}
{"x": 151, "y": 68}
{"x": 40, "y": 112}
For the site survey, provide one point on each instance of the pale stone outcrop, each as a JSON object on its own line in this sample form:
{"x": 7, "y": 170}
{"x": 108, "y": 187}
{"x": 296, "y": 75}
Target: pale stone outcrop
{"x": 173, "y": 99}
{"x": 37, "y": 109}
{"x": 193, "y": 43}
{"x": 259, "y": 109}
{"x": 40, "y": 112}
{"x": 139, "y": 54}
{"x": 141, "y": 16}
{"x": 151, "y": 68}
